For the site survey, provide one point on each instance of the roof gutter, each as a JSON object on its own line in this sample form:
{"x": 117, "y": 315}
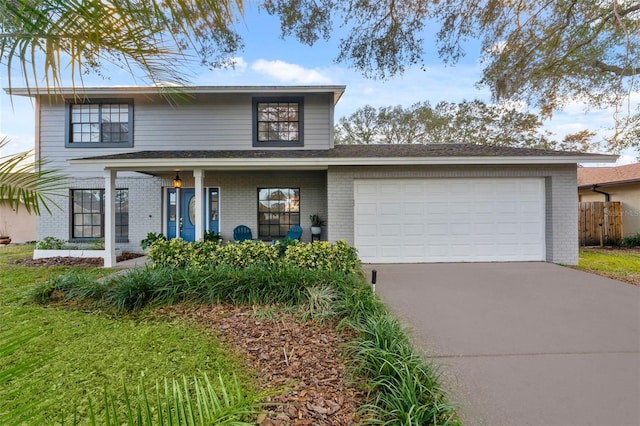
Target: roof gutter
{"x": 607, "y": 196}
{"x": 272, "y": 162}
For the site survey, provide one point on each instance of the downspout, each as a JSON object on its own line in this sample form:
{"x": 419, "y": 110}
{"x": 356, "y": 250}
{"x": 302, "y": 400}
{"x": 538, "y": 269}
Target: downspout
{"x": 607, "y": 197}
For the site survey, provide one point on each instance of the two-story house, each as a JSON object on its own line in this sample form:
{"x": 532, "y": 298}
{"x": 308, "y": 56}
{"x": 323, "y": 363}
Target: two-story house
{"x": 217, "y": 157}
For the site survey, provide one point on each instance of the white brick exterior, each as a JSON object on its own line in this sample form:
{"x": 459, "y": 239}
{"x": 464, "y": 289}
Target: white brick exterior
{"x": 144, "y": 210}
{"x": 239, "y": 196}
{"x": 560, "y": 193}
{"x": 238, "y": 202}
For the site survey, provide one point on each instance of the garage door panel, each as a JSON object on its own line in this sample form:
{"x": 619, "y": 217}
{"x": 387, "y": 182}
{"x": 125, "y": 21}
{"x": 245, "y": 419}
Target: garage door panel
{"x": 413, "y": 208}
{"x": 388, "y": 189}
{"x": 445, "y": 220}
{"x": 416, "y": 188}
{"x": 366, "y": 230}
{"x": 390, "y": 230}
{"x": 367, "y": 208}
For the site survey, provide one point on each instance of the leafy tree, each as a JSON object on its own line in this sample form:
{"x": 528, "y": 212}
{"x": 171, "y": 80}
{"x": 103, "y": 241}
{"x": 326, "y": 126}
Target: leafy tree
{"x": 466, "y": 122}
{"x": 24, "y": 181}
{"x": 547, "y": 53}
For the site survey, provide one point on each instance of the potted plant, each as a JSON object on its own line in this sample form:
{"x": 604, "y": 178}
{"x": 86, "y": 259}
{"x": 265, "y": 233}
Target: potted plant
{"x": 5, "y": 238}
{"x": 316, "y": 224}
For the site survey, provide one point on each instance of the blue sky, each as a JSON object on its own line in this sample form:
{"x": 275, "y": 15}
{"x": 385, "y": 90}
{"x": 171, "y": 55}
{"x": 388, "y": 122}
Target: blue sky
{"x": 269, "y": 60}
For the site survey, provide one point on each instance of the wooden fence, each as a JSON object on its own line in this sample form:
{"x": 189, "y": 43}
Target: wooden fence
{"x": 600, "y": 223}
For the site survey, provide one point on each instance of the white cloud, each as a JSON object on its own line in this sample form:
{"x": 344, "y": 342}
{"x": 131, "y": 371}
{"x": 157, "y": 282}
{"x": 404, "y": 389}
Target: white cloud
{"x": 289, "y": 73}
{"x": 627, "y": 159}
{"x": 238, "y": 63}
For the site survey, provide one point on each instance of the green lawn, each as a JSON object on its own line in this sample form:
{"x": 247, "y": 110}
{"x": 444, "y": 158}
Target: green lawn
{"x": 619, "y": 264}
{"x": 70, "y": 357}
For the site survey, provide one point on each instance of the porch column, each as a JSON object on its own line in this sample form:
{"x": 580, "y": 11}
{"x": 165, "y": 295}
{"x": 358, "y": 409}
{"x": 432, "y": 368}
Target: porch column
{"x": 109, "y": 218}
{"x": 178, "y": 213}
{"x": 198, "y": 176}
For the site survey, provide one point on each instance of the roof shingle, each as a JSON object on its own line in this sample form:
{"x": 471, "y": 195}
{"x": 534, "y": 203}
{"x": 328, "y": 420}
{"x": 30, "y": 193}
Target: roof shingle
{"x": 588, "y": 176}
{"x": 356, "y": 151}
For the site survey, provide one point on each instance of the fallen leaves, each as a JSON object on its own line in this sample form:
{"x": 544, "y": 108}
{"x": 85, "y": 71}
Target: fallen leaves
{"x": 302, "y": 357}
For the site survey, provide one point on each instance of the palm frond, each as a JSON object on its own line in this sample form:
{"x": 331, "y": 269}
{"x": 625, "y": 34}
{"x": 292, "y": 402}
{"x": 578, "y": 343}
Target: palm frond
{"x": 44, "y": 38}
{"x": 26, "y": 181}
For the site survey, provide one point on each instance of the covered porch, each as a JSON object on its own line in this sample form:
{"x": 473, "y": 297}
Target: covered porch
{"x": 217, "y": 199}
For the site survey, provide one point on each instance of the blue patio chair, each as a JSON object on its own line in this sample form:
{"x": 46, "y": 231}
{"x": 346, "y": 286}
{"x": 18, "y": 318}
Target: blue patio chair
{"x": 295, "y": 232}
{"x": 242, "y": 233}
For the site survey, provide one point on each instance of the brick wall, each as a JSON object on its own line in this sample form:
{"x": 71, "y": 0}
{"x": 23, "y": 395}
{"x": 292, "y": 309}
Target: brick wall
{"x": 144, "y": 210}
{"x": 560, "y": 193}
{"x": 239, "y": 196}
{"x": 238, "y": 202}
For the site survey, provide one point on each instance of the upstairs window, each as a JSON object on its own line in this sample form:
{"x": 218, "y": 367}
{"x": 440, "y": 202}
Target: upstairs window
{"x": 278, "y": 122}
{"x": 100, "y": 124}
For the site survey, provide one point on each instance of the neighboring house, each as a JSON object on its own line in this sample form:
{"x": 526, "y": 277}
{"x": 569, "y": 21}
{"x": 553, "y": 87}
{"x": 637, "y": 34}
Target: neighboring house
{"x": 265, "y": 157}
{"x": 19, "y": 224}
{"x": 620, "y": 183}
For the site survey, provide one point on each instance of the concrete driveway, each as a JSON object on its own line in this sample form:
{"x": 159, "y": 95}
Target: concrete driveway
{"x": 524, "y": 343}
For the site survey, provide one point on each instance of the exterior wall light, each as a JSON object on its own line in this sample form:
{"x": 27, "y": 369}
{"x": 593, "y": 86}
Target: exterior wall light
{"x": 177, "y": 182}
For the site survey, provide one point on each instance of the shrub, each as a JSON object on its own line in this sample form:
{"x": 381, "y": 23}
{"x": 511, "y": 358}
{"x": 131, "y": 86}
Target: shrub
{"x": 212, "y": 236}
{"x": 51, "y": 243}
{"x": 631, "y": 241}
{"x": 133, "y": 290}
{"x": 403, "y": 389}
{"x": 97, "y": 244}
{"x": 179, "y": 253}
{"x": 73, "y": 284}
{"x": 283, "y": 244}
{"x": 150, "y": 239}
{"x": 245, "y": 253}
{"x": 248, "y": 285}
{"x": 323, "y": 255}
{"x": 320, "y": 304}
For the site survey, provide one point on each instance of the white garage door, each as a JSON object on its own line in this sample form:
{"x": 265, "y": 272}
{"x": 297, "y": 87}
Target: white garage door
{"x": 449, "y": 220}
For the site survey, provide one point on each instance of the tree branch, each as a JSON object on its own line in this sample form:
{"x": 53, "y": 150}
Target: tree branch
{"x": 619, "y": 71}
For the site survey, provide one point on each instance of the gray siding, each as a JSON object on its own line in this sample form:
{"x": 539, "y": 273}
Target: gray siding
{"x": 560, "y": 185}
{"x": 204, "y": 122}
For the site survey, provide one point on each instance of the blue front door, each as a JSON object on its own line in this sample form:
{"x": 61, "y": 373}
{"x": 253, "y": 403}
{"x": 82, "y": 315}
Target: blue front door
{"x": 187, "y": 212}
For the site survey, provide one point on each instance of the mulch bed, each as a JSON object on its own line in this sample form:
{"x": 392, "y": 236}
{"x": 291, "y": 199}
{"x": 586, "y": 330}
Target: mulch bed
{"x": 73, "y": 261}
{"x": 302, "y": 357}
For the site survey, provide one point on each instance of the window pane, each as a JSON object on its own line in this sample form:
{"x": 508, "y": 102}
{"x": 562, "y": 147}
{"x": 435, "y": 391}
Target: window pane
{"x": 99, "y": 123}
{"x": 278, "y": 122}
{"x": 277, "y": 211}
{"x": 88, "y": 213}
